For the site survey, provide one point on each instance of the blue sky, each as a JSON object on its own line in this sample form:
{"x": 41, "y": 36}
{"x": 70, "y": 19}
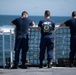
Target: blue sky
{"x": 37, "y": 7}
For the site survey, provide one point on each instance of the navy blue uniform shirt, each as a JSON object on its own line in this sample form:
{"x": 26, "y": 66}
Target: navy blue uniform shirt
{"x": 22, "y": 25}
{"x": 47, "y": 27}
{"x": 72, "y": 25}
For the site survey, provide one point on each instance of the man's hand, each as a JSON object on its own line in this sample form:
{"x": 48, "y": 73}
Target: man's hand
{"x": 11, "y": 24}
{"x": 39, "y": 28}
{"x": 62, "y": 25}
{"x": 33, "y": 24}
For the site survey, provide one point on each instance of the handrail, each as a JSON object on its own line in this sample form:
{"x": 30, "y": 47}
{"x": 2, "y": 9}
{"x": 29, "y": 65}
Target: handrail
{"x": 34, "y": 41}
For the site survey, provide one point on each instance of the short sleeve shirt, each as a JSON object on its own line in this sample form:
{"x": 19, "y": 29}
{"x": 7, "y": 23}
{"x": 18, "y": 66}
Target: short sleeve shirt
{"x": 22, "y": 25}
{"x": 72, "y": 25}
{"x": 47, "y": 27}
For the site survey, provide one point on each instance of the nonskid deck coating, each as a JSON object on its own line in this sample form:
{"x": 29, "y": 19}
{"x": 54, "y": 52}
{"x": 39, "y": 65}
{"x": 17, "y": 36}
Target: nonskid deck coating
{"x": 38, "y": 71}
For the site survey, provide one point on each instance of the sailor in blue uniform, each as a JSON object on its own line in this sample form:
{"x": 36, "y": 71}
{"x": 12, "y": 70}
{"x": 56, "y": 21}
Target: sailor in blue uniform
{"x": 71, "y": 23}
{"x": 21, "y": 41}
{"x": 47, "y": 38}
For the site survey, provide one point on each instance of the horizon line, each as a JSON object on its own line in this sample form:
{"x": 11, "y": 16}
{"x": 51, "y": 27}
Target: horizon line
{"x": 33, "y": 15}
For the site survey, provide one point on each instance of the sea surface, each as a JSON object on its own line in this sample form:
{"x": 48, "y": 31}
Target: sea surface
{"x": 5, "y": 21}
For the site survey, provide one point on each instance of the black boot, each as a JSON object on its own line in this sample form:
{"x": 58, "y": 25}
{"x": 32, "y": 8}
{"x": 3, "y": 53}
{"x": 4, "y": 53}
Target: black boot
{"x": 14, "y": 66}
{"x": 71, "y": 63}
{"x": 49, "y": 64}
{"x": 23, "y": 66}
{"x": 41, "y": 64}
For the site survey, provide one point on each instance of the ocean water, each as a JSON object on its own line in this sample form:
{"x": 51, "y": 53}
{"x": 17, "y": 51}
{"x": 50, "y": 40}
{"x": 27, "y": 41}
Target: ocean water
{"x": 5, "y": 21}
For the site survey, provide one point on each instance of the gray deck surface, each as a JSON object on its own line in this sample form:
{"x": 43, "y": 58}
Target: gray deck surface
{"x": 37, "y": 71}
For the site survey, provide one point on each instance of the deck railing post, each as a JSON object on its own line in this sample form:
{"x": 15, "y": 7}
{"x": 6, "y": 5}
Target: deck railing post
{"x": 3, "y": 50}
{"x": 11, "y": 48}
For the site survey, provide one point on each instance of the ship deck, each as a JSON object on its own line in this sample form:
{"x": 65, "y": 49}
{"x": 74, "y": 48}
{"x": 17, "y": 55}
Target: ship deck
{"x": 37, "y": 71}
{"x": 61, "y": 52}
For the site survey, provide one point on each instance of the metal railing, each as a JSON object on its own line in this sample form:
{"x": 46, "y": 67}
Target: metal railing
{"x": 7, "y": 46}
{"x": 61, "y": 49}
{"x": 62, "y": 44}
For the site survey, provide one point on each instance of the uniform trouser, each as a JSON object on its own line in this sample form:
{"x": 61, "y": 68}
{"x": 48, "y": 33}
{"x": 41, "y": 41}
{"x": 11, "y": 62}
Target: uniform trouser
{"x": 46, "y": 43}
{"x": 21, "y": 42}
{"x": 72, "y": 48}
